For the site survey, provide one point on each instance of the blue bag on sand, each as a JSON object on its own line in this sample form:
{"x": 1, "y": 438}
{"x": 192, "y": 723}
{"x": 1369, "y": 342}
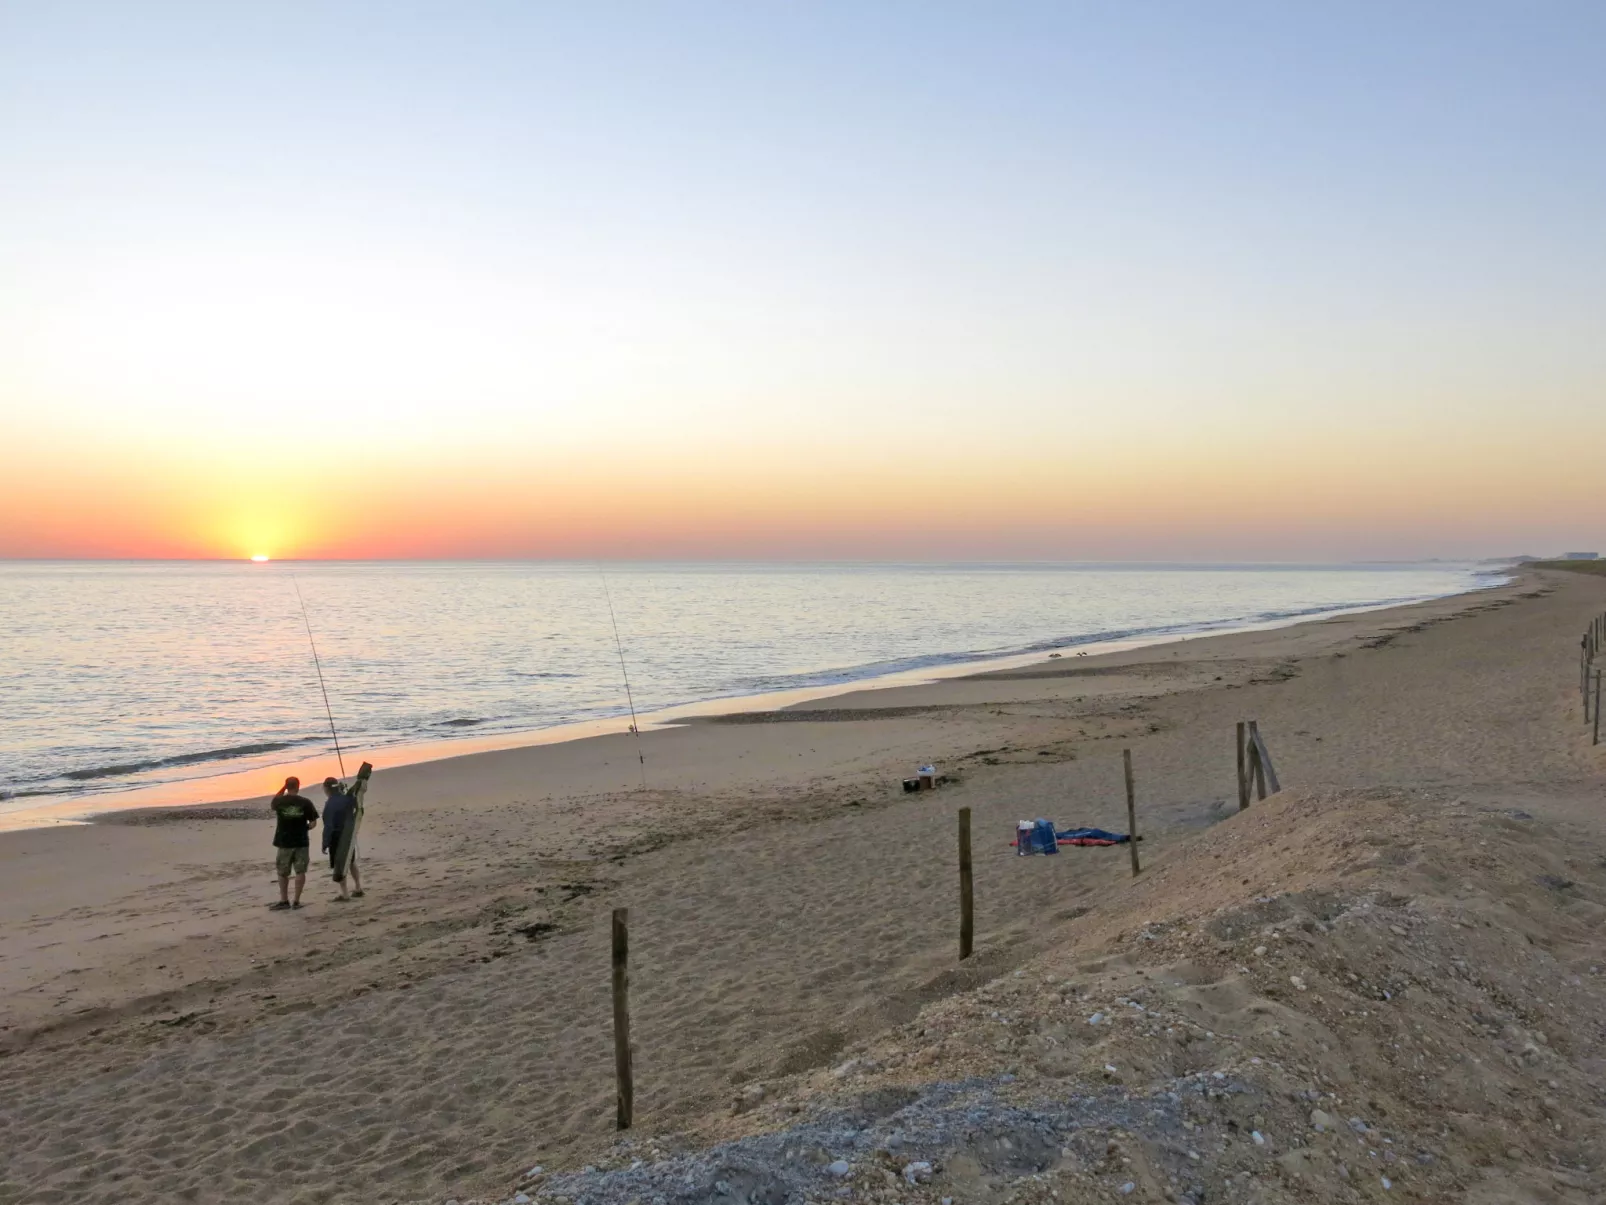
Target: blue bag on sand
{"x": 1044, "y": 839}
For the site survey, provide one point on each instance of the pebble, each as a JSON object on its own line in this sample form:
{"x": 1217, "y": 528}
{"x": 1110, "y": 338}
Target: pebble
{"x": 1095, "y": 1019}
{"x": 917, "y": 1173}
{"x": 534, "y": 1171}
{"x": 1297, "y": 982}
{"x": 839, "y": 1169}
{"x": 1321, "y": 1121}
{"x": 1386, "y": 1183}
{"x": 1260, "y": 1139}
{"x": 1356, "y": 1124}
{"x": 522, "y": 1199}
{"x": 1260, "y": 951}
{"x": 1398, "y": 932}
{"x": 1127, "y": 1187}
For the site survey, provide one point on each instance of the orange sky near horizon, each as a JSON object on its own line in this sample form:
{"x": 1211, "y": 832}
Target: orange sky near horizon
{"x": 1242, "y": 498}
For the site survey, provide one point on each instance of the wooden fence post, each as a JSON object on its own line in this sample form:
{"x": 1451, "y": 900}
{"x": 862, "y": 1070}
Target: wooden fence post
{"x": 1266, "y": 772}
{"x": 1243, "y": 777}
{"x": 967, "y": 918}
{"x": 621, "y": 1017}
{"x": 1131, "y": 811}
{"x": 1258, "y": 759}
{"x": 1595, "y": 740}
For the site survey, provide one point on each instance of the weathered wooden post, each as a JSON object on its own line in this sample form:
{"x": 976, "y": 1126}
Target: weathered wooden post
{"x": 1264, "y": 771}
{"x": 967, "y": 918}
{"x": 621, "y": 1017}
{"x": 1131, "y": 811}
{"x": 1583, "y": 665}
{"x": 1243, "y": 778}
{"x": 1595, "y": 739}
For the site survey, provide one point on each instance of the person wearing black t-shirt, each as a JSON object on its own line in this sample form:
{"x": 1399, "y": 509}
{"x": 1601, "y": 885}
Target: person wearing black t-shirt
{"x": 294, "y": 818}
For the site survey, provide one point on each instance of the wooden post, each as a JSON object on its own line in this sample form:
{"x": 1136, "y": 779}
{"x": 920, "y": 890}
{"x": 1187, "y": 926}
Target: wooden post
{"x": 1256, "y": 766}
{"x": 1243, "y": 776}
{"x": 967, "y": 918}
{"x": 1131, "y": 811}
{"x": 621, "y": 1017}
{"x": 1265, "y": 772}
{"x": 1595, "y": 740}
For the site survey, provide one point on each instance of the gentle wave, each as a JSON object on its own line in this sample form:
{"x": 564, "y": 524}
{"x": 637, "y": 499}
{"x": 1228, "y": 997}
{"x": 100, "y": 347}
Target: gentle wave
{"x": 181, "y": 759}
{"x": 122, "y": 675}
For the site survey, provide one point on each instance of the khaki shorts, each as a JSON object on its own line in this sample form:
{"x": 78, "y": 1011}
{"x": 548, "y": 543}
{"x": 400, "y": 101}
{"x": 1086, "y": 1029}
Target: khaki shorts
{"x": 291, "y": 861}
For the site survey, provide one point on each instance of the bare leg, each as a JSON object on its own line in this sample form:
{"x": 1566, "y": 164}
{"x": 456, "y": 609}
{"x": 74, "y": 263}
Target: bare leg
{"x": 284, "y": 889}
{"x": 301, "y": 881}
{"x": 356, "y": 879}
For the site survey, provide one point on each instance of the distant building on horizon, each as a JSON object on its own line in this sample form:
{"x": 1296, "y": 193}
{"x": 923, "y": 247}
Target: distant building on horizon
{"x": 1580, "y": 556}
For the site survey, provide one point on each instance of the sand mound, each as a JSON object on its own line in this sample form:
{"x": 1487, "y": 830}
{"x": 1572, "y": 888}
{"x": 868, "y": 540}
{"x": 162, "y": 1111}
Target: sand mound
{"x": 1332, "y": 997}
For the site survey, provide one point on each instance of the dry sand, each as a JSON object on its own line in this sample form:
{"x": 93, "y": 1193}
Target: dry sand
{"x": 165, "y": 1037}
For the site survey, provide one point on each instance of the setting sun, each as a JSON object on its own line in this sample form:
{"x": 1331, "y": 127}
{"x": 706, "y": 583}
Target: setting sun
{"x": 260, "y": 557}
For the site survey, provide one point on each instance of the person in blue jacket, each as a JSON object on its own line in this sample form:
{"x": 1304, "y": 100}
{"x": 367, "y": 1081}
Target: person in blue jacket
{"x": 339, "y": 810}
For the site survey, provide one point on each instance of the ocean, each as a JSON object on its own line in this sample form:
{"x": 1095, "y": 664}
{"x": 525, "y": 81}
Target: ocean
{"x": 126, "y": 674}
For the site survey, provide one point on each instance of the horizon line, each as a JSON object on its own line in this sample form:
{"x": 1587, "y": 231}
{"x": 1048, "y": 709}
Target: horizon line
{"x": 775, "y": 560}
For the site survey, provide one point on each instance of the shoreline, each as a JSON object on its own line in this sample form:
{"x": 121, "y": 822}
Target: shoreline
{"x": 262, "y": 778}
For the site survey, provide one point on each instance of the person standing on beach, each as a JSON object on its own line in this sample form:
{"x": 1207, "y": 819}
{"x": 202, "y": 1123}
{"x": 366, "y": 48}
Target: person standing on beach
{"x": 338, "y": 808}
{"x": 294, "y": 816}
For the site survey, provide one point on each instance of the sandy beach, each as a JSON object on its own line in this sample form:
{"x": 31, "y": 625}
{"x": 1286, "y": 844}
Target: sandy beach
{"x": 165, "y": 1037}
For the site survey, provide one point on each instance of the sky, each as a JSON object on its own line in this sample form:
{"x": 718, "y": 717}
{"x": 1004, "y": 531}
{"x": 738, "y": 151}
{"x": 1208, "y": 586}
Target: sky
{"x": 1161, "y": 281}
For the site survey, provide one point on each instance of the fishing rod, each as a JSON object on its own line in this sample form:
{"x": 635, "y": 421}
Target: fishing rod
{"x": 625, "y": 674}
{"x": 318, "y": 665}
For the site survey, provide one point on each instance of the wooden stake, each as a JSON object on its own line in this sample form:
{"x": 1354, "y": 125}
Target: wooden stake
{"x": 1131, "y": 811}
{"x": 1257, "y": 772}
{"x": 1595, "y": 740}
{"x": 621, "y": 1017}
{"x": 1243, "y": 775}
{"x": 967, "y": 918}
{"x": 1265, "y": 772}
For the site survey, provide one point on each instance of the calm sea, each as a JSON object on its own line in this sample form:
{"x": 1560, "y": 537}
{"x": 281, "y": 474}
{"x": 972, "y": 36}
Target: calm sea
{"x": 123, "y": 674}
